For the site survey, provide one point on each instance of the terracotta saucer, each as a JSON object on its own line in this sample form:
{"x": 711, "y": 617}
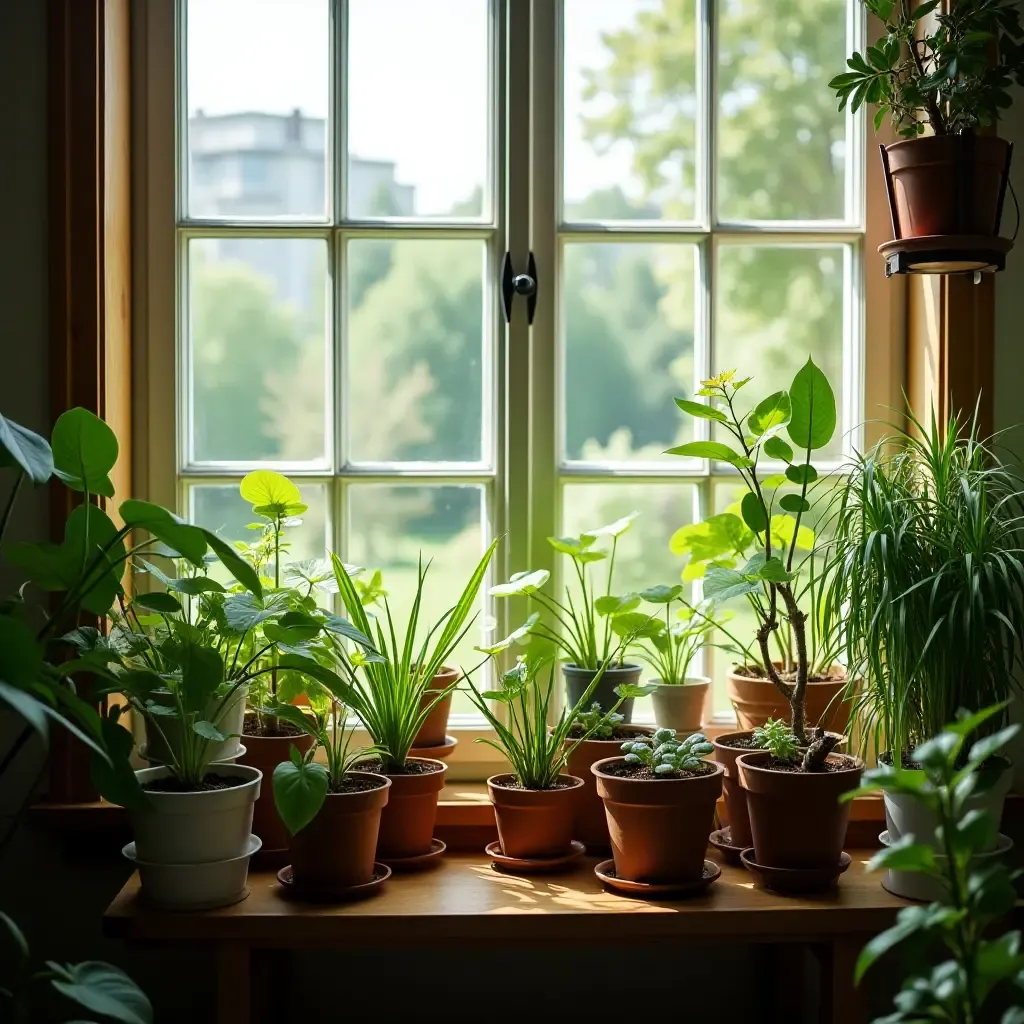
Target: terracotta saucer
{"x": 797, "y": 881}
{"x": 722, "y": 842}
{"x": 541, "y": 866}
{"x": 381, "y": 873}
{"x": 438, "y": 753}
{"x": 420, "y": 861}
{"x": 656, "y": 890}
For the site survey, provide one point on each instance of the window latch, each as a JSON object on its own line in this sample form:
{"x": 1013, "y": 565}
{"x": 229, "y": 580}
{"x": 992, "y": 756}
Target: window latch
{"x": 513, "y": 284}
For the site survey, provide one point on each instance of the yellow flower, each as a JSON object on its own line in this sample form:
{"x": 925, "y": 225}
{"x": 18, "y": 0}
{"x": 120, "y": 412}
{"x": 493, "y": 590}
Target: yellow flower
{"x": 720, "y": 380}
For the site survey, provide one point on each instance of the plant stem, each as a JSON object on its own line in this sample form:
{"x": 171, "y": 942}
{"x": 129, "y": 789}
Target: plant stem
{"x": 10, "y": 505}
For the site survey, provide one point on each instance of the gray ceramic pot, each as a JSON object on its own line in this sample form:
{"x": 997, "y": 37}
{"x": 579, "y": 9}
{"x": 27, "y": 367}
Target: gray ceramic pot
{"x": 578, "y": 679}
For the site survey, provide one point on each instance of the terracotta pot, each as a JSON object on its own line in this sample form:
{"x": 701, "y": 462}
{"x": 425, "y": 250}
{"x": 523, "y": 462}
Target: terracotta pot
{"x": 757, "y": 700}
{"x": 735, "y": 797}
{"x": 533, "y": 824}
{"x": 796, "y": 818}
{"x": 337, "y": 848}
{"x": 578, "y": 679}
{"x": 435, "y": 726}
{"x": 407, "y": 822}
{"x": 659, "y": 828}
{"x": 681, "y": 707}
{"x": 266, "y": 753}
{"x": 590, "y": 825}
{"x": 948, "y": 184}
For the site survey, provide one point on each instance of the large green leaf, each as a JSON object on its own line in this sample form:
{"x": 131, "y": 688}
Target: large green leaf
{"x": 21, "y": 657}
{"x": 814, "y": 408}
{"x": 771, "y": 415}
{"x": 514, "y": 637}
{"x": 522, "y": 583}
{"x": 661, "y": 594}
{"x": 701, "y": 411}
{"x": 28, "y": 706}
{"x": 299, "y": 793}
{"x": 272, "y": 494}
{"x": 237, "y": 566}
{"x": 616, "y": 529}
{"x": 22, "y": 447}
{"x": 725, "y": 584}
{"x": 776, "y": 448}
{"x": 910, "y": 921}
{"x": 102, "y": 989}
{"x": 84, "y": 452}
{"x": 202, "y": 671}
{"x": 904, "y": 855}
{"x": 159, "y": 602}
{"x": 754, "y": 514}
{"x": 244, "y": 611}
{"x": 717, "y": 536}
{"x": 188, "y": 541}
{"x": 713, "y": 450}
{"x": 113, "y": 776}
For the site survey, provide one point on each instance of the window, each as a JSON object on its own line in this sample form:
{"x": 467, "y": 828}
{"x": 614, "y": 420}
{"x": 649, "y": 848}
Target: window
{"x": 678, "y": 169}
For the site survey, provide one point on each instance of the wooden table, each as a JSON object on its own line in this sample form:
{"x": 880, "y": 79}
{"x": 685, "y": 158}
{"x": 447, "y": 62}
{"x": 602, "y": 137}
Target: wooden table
{"x": 463, "y": 900}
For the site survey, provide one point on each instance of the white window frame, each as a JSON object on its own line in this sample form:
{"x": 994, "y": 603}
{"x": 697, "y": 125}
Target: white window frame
{"x": 526, "y": 477}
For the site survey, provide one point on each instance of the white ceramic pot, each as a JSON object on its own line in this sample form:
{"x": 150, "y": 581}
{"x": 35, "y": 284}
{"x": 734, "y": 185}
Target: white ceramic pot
{"x": 906, "y": 816}
{"x": 230, "y": 724}
{"x": 913, "y": 886}
{"x": 194, "y": 886}
{"x": 681, "y": 707}
{"x": 196, "y": 828}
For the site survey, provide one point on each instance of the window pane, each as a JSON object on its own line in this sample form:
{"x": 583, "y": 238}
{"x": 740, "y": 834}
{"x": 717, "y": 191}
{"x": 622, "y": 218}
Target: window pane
{"x": 390, "y": 527}
{"x": 782, "y": 147}
{"x": 219, "y": 507}
{"x": 777, "y": 305}
{"x": 259, "y": 363}
{"x": 642, "y": 556}
{"x": 418, "y": 108}
{"x": 630, "y": 110}
{"x": 257, "y": 100}
{"x": 628, "y": 349}
{"x": 415, "y": 362}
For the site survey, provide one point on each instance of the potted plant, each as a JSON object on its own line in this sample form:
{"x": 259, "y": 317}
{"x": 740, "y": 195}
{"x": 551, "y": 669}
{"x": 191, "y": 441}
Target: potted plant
{"x": 928, "y": 580}
{"x": 387, "y": 692}
{"x": 669, "y": 649}
{"x": 944, "y": 72}
{"x": 575, "y": 627}
{"x": 533, "y": 804}
{"x": 983, "y": 977}
{"x": 332, "y": 811}
{"x": 593, "y": 736}
{"x": 792, "y": 670}
{"x": 660, "y": 802}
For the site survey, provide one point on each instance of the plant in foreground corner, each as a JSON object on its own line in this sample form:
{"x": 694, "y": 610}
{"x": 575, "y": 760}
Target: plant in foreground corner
{"x": 770, "y": 580}
{"x": 982, "y": 978}
{"x": 539, "y": 754}
{"x": 955, "y": 74}
{"x": 663, "y": 753}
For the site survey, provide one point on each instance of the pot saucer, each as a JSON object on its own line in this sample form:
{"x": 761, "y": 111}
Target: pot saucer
{"x": 381, "y": 873}
{"x": 721, "y": 840}
{"x": 420, "y": 861}
{"x": 795, "y": 881}
{"x": 538, "y": 866}
{"x": 438, "y": 753}
{"x": 656, "y": 890}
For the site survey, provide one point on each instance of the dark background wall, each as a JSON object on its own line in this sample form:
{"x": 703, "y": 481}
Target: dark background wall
{"x": 58, "y": 891}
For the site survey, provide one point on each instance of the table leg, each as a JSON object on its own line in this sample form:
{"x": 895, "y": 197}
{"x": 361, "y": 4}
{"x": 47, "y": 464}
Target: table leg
{"x": 234, "y": 984}
{"x": 842, "y": 1001}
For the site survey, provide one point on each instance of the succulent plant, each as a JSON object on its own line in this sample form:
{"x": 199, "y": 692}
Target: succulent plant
{"x": 777, "y": 738}
{"x": 664, "y": 753}
{"x": 597, "y": 725}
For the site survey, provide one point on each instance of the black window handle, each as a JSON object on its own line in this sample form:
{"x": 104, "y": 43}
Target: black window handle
{"x": 513, "y": 284}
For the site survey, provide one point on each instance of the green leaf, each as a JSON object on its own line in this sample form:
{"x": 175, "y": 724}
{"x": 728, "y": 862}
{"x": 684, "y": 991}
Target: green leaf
{"x": 17, "y": 937}
{"x": 939, "y": 753}
{"x": 794, "y": 503}
{"x": 202, "y": 671}
{"x": 754, "y": 514}
{"x": 924, "y": 9}
{"x": 904, "y": 855}
{"x": 29, "y": 707}
{"x": 770, "y": 415}
{"x": 966, "y": 723}
{"x": 634, "y": 690}
{"x": 776, "y": 448}
{"x": 910, "y": 921}
{"x": 238, "y": 567}
{"x": 317, "y": 573}
{"x": 611, "y": 604}
{"x": 158, "y": 602}
{"x": 514, "y": 637}
{"x": 242, "y": 612}
{"x": 661, "y": 594}
{"x": 636, "y": 625}
{"x": 774, "y": 571}
{"x": 522, "y": 584}
{"x": 801, "y": 474}
{"x": 21, "y": 657}
{"x": 717, "y": 536}
{"x": 989, "y": 745}
{"x": 22, "y": 447}
{"x": 976, "y": 830}
{"x": 103, "y": 989}
{"x": 714, "y": 450}
{"x": 84, "y": 452}
{"x": 725, "y": 584}
{"x": 271, "y": 494}
{"x": 114, "y": 776}
{"x": 782, "y": 528}
{"x": 571, "y": 546}
{"x": 88, "y": 530}
{"x": 814, "y": 408}
{"x": 616, "y": 529}
{"x": 187, "y": 540}
{"x": 701, "y": 411}
{"x": 999, "y": 958}
{"x": 208, "y": 731}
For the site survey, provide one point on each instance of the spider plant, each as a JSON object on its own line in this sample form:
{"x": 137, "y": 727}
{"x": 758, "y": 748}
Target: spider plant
{"x": 539, "y": 754}
{"x": 929, "y": 580}
{"x": 387, "y": 692}
{"x": 301, "y": 784}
